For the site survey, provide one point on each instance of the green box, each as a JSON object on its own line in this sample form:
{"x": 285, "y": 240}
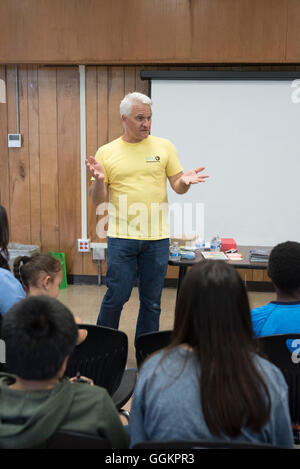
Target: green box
{"x": 61, "y": 257}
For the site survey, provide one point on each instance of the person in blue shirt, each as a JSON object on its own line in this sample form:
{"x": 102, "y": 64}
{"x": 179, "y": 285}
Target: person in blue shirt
{"x": 210, "y": 383}
{"x": 281, "y": 316}
{"x": 11, "y": 289}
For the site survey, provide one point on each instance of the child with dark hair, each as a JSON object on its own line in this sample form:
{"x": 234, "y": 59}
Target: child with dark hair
{"x": 36, "y": 400}
{"x": 281, "y": 316}
{"x": 210, "y": 383}
{"x": 41, "y": 274}
{"x": 11, "y": 289}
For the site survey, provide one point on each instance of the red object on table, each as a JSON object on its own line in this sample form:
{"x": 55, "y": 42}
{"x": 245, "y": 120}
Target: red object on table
{"x": 228, "y": 243}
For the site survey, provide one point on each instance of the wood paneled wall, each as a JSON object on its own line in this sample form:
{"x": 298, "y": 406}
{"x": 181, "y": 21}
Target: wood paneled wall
{"x": 40, "y": 182}
{"x": 149, "y": 31}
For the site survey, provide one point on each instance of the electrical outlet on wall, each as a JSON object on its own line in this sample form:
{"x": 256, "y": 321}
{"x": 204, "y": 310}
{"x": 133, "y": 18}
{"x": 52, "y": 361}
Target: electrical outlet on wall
{"x": 83, "y": 245}
{"x": 98, "y": 254}
{"x": 14, "y": 140}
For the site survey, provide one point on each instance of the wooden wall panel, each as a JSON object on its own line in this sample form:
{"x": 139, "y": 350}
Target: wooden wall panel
{"x": 246, "y": 274}
{"x": 266, "y": 277}
{"x": 4, "y": 159}
{"x": 103, "y": 86}
{"x": 258, "y": 275}
{"x": 293, "y": 32}
{"x": 149, "y": 31}
{"x": 129, "y": 80}
{"x": 115, "y": 95}
{"x": 34, "y": 155}
{"x": 18, "y": 158}
{"x": 241, "y": 31}
{"x": 48, "y": 158}
{"x": 89, "y": 267}
{"x": 69, "y": 179}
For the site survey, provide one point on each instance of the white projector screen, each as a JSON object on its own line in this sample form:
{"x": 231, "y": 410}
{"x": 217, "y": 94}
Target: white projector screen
{"x": 247, "y": 135}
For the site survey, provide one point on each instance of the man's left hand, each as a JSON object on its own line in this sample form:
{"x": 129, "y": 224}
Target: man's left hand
{"x": 192, "y": 176}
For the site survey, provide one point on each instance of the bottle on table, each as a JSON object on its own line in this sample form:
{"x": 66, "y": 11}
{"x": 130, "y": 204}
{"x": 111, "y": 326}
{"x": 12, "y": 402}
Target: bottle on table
{"x": 200, "y": 244}
{"x": 175, "y": 254}
{"x": 215, "y": 244}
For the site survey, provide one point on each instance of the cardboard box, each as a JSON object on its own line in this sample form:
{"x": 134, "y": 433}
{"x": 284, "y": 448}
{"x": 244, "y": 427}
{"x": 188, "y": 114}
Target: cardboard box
{"x": 185, "y": 240}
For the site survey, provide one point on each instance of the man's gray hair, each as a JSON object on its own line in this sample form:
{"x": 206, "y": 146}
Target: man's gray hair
{"x": 130, "y": 99}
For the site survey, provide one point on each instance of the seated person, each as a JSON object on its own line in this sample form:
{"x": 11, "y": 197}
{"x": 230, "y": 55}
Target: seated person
{"x": 11, "y": 289}
{"x": 41, "y": 274}
{"x": 283, "y": 315}
{"x": 36, "y": 400}
{"x": 209, "y": 383}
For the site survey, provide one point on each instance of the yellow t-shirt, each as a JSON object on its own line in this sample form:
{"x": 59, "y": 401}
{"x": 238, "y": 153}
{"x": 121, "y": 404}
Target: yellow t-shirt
{"x": 137, "y": 177}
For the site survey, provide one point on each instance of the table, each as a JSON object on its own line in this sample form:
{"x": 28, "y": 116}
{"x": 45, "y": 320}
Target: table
{"x": 244, "y": 263}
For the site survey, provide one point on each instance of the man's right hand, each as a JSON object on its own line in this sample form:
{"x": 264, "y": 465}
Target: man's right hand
{"x": 98, "y": 190}
{"x": 95, "y": 168}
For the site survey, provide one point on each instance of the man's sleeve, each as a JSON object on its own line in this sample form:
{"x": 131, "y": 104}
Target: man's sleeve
{"x": 173, "y": 166}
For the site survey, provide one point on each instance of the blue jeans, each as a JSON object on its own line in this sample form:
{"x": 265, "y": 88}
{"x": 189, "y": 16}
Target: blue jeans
{"x": 128, "y": 260}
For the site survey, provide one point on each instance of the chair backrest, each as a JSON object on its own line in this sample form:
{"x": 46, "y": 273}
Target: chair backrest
{"x": 74, "y": 440}
{"x": 194, "y": 444}
{"x": 277, "y": 349}
{"x": 102, "y": 356}
{"x": 149, "y": 343}
{"x": 2, "y": 365}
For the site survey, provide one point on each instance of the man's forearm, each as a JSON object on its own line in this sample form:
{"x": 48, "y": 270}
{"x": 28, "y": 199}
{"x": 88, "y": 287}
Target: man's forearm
{"x": 180, "y": 187}
{"x": 98, "y": 192}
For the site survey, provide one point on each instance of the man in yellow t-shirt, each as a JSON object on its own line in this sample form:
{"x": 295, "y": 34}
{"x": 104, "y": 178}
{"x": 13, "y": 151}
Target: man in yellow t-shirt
{"x": 130, "y": 177}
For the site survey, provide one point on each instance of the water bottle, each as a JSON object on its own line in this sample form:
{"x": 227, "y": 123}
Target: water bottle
{"x": 215, "y": 244}
{"x": 175, "y": 254}
{"x": 199, "y": 244}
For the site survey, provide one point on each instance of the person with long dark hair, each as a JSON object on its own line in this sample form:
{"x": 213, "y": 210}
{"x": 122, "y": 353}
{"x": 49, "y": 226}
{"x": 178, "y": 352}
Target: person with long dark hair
{"x": 11, "y": 289}
{"x": 211, "y": 383}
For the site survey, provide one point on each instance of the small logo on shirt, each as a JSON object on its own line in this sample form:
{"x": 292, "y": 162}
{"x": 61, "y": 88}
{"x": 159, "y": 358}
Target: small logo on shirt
{"x": 152, "y": 159}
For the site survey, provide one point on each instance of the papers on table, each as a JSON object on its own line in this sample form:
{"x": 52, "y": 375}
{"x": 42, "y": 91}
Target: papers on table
{"x": 259, "y": 255}
{"x": 234, "y": 256}
{"x": 214, "y": 255}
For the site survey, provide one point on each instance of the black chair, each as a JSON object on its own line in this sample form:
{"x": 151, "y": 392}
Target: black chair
{"x": 125, "y": 391}
{"x": 102, "y": 357}
{"x": 201, "y": 444}
{"x": 149, "y": 343}
{"x": 275, "y": 349}
{"x": 2, "y": 349}
{"x": 74, "y": 440}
